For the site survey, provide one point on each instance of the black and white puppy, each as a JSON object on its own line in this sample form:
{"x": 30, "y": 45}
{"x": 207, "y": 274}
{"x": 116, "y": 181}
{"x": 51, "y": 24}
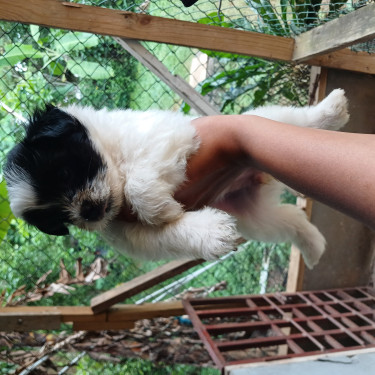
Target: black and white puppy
{"x": 79, "y": 166}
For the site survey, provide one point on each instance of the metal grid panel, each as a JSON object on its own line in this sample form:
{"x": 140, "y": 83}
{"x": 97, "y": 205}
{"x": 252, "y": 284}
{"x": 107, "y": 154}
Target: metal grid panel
{"x": 257, "y": 328}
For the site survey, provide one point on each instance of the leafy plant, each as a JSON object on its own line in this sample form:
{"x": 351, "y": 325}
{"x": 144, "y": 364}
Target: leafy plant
{"x": 87, "y": 366}
{"x": 60, "y": 56}
{"x": 6, "y": 215}
{"x": 246, "y": 82}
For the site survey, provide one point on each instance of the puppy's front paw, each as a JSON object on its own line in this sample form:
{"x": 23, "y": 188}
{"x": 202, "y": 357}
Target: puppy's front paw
{"x": 170, "y": 211}
{"x": 218, "y": 233}
{"x": 333, "y": 111}
{"x": 153, "y": 202}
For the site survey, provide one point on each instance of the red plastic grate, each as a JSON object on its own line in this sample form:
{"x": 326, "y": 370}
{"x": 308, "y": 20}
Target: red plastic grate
{"x": 256, "y": 328}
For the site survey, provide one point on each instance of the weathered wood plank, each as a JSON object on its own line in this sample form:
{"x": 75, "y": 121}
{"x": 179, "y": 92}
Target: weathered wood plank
{"x": 105, "y": 300}
{"x": 352, "y": 28}
{"x": 21, "y": 321}
{"x": 29, "y": 318}
{"x": 296, "y": 270}
{"x": 53, "y": 13}
{"x": 346, "y": 59}
{"x": 176, "y": 83}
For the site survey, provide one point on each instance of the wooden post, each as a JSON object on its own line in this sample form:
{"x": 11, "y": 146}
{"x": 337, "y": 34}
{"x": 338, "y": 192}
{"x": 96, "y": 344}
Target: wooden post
{"x": 107, "y": 299}
{"x": 296, "y": 269}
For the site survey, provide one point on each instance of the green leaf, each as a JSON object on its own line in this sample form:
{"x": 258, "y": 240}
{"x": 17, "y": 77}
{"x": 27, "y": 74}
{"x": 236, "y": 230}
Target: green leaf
{"x": 213, "y": 19}
{"x": 6, "y": 215}
{"x": 92, "y": 70}
{"x": 35, "y": 33}
{"x": 238, "y": 76}
{"x": 56, "y": 68}
{"x": 271, "y": 23}
{"x": 15, "y": 54}
{"x": 186, "y": 108}
{"x": 75, "y": 42}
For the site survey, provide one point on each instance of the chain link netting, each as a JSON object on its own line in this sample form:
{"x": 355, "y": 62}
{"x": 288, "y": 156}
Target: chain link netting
{"x": 39, "y": 65}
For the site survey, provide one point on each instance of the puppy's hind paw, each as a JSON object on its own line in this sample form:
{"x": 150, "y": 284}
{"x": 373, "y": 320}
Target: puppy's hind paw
{"x": 333, "y": 110}
{"x": 312, "y": 245}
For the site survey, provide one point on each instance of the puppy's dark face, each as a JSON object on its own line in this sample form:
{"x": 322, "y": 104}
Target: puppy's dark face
{"x": 55, "y": 176}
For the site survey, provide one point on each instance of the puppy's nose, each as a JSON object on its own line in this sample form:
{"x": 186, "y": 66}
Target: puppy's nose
{"x": 93, "y": 211}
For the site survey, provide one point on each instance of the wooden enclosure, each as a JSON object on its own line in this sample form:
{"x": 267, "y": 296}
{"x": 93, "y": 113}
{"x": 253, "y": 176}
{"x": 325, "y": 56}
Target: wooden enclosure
{"x": 348, "y": 260}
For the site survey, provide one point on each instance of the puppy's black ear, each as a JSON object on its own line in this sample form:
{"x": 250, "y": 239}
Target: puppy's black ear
{"x": 47, "y": 220}
{"x": 53, "y": 122}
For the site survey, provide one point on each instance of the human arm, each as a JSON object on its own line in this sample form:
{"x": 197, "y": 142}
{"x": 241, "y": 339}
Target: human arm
{"x": 333, "y": 167}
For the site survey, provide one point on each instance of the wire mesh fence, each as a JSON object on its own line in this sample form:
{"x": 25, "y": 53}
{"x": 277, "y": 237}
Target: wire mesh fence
{"x": 39, "y": 65}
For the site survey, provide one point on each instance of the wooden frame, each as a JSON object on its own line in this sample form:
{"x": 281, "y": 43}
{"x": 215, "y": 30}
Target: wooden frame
{"x": 128, "y": 25}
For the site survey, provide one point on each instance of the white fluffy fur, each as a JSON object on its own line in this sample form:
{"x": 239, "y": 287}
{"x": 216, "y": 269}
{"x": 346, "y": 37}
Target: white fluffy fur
{"x": 147, "y": 154}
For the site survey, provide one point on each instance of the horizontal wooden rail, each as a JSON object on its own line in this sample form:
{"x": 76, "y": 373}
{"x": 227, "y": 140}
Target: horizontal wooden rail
{"x": 71, "y": 16}
{"x": 31, "y": 318}
{"x": 346, "y": 59}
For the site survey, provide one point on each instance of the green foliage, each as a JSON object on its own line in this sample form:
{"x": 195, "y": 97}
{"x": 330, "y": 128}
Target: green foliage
{"x": 87, "y": 366}
{"x": 246, "y": 82}
{"x": 6, "y": 215}
{"x": 59, "y": 66}
{"x": 27, "y": 254}
{"x": 7, "y": 368}
{"x": 242, "y": 270}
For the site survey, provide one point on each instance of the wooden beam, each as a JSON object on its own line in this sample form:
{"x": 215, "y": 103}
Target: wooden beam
{"x": 29, "y": 318}
{"x": 296, "y": 270}
{"x": 71, "y": 16}
{"x": 105, "y": 300}
{"x": 176, "y": 83}
{"x": 346, "y": 59}
{"x": 29, "y": 321}
{"x": 352, "y": 28}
